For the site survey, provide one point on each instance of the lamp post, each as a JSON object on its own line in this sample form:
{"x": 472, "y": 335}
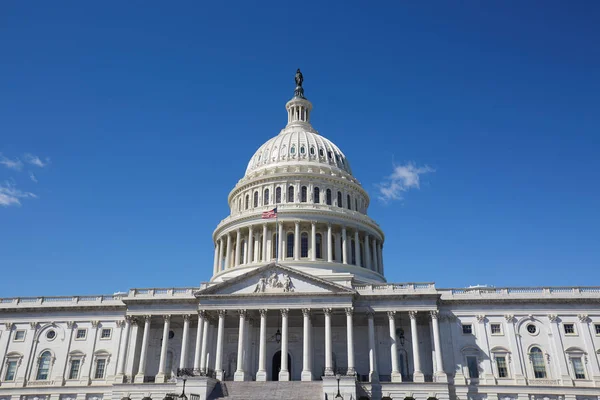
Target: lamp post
{"x": 182, "y": 395}
{"x": 338, "y": 395}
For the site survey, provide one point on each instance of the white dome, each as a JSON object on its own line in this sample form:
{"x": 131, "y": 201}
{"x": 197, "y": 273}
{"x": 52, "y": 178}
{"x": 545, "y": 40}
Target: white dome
{"x": 298, "y": 145}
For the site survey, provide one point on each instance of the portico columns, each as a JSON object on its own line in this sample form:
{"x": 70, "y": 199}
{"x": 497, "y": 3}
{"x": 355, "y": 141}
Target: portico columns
{"x": 329, "y": 244}
{"x": 265, "y": 254}
{"x": 296, "y": 240}
{"x": 199, "y": 339}
{"x": 328, "y": 344}
{"x": 350, "y": 341}
{"x": 417, "y": 374}
{"x": 123, "y": 351}
{"x": 205, "y": 329}
{"x": 160, "y": 377}
{"x": 219, "y": 351}
{"x": 284, "y": 374}
{"x": 396, "y": 376}
{"x": 184, "y": 342}
{"x": 139, "y": 378}
{"x": 375, "y": 261}
{"x": 239, "y": 373}
{"x": 227, "y": 255}
{"x": 281, "y": 244}
{"x": 221, "y": 254}
{"x": 440, "y": 375}
{"x": 373, "y": 374}
{"x": 216, "y": 261}
{"x": 344, "y": 247}
{"x": 261, "y": 374}
{"x": 306, "y": 348}
{"x": 250, "y": 245}
{"x": 313, "y": 240}
{"x": 238, "y": 248}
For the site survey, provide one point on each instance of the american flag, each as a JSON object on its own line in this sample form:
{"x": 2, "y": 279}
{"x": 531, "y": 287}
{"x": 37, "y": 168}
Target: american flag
{"x": 270, "y": 214}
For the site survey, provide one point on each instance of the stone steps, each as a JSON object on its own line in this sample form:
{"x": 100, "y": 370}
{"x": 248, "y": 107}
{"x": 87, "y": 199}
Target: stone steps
{"x": 294, "y": 390}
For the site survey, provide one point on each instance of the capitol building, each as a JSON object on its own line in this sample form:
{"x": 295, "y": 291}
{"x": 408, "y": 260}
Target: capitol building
{"x": 298, "y": 307}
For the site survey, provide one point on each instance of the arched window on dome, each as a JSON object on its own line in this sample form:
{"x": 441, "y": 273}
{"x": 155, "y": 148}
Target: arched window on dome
{"x": 239, "y": 204}
{"x": 303, "y": 194}
{"x": 328, "y": 196}
{"x": 302, "y": 150}
{"x": 290, "y": 246}
{"x": 290, "y": 194}
{"x": 316, "y": 195}
{"x": 339, "y": 199}
{"x": 278, "y": 195}
{"x": 353, "y": 251}
{"x": 247, "y": 201}
{"x": 537, "y": 360}
{"x": 304, "y": 244}
{"x": 293, "y": 150}
{"x": 256, "y": 199}
{"x": 44, "y": 366}
{"x": 312, "y": 150}
{"x": 319, "y": 246}
{"x": 329, "y": 156}
{"x": 348, "y": 202}
{"x": 266, "y": 197}
{"x": 321, "y": 152}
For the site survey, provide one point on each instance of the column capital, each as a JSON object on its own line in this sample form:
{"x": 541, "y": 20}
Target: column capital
{"x": 313, "y": 222}
{"x": 284, "y": 312}
{"x": 583, "y": 317}
{"x": 242, "y": 313}
{"x": 412, "y": 314}
{"x": 391, "y": 315}
{"x": 327, "y": 311}
{"x": 71, "y": 324}
{"x": 480, "y": 318}
{"x": 166, "y": 318}
{"x": 201, "y": 314}
{"x": 237, "y": 231}
{"x": 9, "y": 325}
{"x": 306, "y": 312}
{"x": 370, "y": 313}
{"x": 95, "y": 324}
{"x": 509, "y": 317}
{"x": 349, "y": 311}
{"x": 553, "y": 317}
{"x": 147, "y": 318}
{"x": 329, "y": 225}
{"x": 120, "y": 323}
{"x": 186, "y": 317}
{"x": 297, "y": 222}
{"x": 222, "y": 313}
{"x": 435, "y": 314}
{"x": 263, "y": 312}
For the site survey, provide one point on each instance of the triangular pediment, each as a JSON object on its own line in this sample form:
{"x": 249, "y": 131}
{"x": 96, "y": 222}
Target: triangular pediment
{"x": 275, "y": 279}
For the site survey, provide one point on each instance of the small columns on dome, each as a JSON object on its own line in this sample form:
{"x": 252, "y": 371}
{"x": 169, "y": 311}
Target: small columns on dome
{"x": 298, "y": 111}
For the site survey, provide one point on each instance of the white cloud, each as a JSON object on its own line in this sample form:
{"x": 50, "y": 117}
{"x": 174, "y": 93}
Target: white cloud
{"x": 35, "y": 160}
{"x": 15, "y": 164}
{"x": 403, "y": 178}
{"x": 11, "y": 196}
{"x": 33, "y": 177}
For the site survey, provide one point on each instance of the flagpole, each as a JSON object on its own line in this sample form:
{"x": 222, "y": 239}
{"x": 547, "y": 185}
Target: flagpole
{"x": 277, "y": 233}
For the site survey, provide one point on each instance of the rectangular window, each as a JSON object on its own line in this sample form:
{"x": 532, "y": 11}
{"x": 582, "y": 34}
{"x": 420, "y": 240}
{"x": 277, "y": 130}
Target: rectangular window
{"x": 496, "y": 329}
{"x": 578, "y": 368}
{"x": 100, "y": 364}
{"x": 11, "y": 370}
{"x": 597, "y": 327}
{"x": 81, "y": 334}
{"x": 105, "y": 334}
{"x": 19, "y": 335}
{"x": 502, "y": 367}
{"x": 569, "y": 329}
{"x": 467, "y": 329}
{"x": 74, "y": 371}
{"x": 473, "y": 366}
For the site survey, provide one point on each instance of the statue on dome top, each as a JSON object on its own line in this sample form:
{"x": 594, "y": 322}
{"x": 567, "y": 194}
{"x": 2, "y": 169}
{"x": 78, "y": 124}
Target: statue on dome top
{"x": 299, "y": 92}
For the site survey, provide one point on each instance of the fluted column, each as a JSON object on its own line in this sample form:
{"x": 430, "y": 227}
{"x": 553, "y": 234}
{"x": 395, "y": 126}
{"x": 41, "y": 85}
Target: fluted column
{"x": 216, "y": 261}
{"x": 329, "y": 244}
{"x": 306, "y": 348}
{"x": 199, "y": 337}
{"x": 265, "y": 254}
{"x": 375, "y": 261}
{"x": 373, "y": 374}
{"x": 367, "y": 252}
{"x": 123, "y": 350}
{"x": 313, "y": 241}
{"x": 221, "y": 255}
{"x": 205, "y": 329}
{"x": 227, "y": 255}
{"x": 240, "y": 373}
{"x": 344, "y": 247}
{"x": 350, "y": 341}
{"x": 184, "y": 342}
{"x": 219, "y": 351}
{"x": 559, "y": 350}
{"x": 586, "y": 329}
{"x": 328, "y": 343}
{"x": 250, "y": 244}
{"x": 396, "y": 376}
{"x": 261, "y": 375}
{"x": 357, "y": 248}
{"x": 284, "y": 374}
{"x": 160, "y": 377}
{"x": 440, "y": 375}
{"x": 417, "y": 373}
{"x": 139, "y": 378}
{"x": 238, "y": 248}
{"x": 280, "y": 243}
{"x": 296, "y": 240}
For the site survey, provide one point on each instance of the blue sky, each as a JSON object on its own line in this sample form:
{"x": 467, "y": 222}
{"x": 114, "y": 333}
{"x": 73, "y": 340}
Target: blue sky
{"x": 124, "y": 125}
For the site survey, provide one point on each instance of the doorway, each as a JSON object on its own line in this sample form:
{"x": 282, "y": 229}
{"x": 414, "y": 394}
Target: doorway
{"x": 277, "y": 366}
